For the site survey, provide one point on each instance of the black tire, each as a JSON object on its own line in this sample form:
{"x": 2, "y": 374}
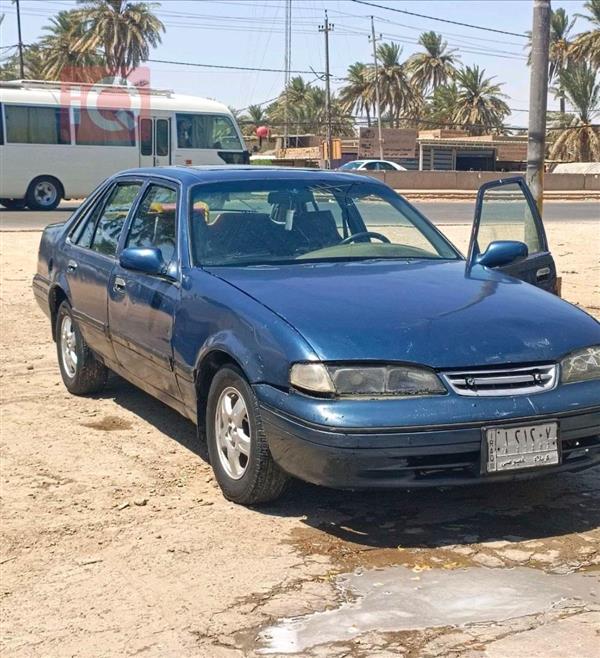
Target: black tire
{"x": 262, "y": 480}
{"x": 13, "y": 204}
{"x": 88, "y": 375}
{"x": 43, "y": 193}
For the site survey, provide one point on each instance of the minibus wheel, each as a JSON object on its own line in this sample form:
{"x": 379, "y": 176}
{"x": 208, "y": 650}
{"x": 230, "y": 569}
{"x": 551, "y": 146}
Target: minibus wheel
{"x": 44, "y": 193}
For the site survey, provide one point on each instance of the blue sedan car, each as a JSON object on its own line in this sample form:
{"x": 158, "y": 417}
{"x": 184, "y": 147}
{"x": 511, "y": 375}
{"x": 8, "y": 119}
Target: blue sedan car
{"x": 315, "y": 324}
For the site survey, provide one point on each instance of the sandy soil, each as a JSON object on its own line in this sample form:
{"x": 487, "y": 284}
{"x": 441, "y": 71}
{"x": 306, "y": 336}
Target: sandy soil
{"x": 115, "y": 540}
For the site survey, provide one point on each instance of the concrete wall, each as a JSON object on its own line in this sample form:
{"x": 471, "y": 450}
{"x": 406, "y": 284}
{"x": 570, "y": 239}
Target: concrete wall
{"x": 471, "y": 180}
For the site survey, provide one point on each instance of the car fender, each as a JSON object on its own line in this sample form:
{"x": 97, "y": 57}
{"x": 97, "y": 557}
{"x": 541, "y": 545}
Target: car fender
{"x": 222, "y": 318}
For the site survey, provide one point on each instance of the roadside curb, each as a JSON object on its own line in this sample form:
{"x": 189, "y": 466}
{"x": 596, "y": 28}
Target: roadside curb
{"x": 471, "y": 195}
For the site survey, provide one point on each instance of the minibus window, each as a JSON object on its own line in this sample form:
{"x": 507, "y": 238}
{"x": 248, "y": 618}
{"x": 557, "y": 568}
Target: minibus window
{"x": 37, "y": 124}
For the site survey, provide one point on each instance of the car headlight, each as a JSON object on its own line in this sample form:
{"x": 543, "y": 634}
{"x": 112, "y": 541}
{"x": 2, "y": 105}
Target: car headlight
{"x": 345, "y": 380}
{"x": 581, "y": 366}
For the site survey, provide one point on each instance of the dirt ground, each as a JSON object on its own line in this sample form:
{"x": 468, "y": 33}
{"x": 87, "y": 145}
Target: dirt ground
{"x": 116, "y": 541}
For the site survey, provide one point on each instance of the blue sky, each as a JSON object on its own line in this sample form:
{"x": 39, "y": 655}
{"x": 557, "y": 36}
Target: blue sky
{"x": 250, "y": 33}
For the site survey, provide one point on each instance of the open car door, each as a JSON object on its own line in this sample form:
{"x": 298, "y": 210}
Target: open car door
{"x": 506, "y": 211}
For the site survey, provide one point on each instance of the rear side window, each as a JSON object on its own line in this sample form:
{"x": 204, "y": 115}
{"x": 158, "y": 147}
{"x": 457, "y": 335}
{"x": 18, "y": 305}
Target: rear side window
{"x": 37, "y": 125}
{"x": 84, "y": 231}
{"x": 112, "y": 218}
{"x": 155, "y": 221}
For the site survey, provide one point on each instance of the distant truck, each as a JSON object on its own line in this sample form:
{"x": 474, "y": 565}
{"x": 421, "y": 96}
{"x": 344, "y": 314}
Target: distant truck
{"x": 60, "y": 140}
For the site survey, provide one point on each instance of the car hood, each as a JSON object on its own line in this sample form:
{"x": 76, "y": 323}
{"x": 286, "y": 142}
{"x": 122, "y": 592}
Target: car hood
{"x": 426, "y": 312}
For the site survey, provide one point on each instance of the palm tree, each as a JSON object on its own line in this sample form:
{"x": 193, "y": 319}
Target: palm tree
{"x": 435, "y": 66}
{"x": 578, "y": 139}
{"x": 61, "y": 56}
{"x": 586, "y": 46}
{"x": 358, "y": 92}
{"x": 297, "y": 93}
{"x": 306, "y": 110}
{"x": 254, "y": 117}
{"x": 33, "y": 59}
{"x": 257, "y": 114}
{"x": 442, "y": 105}
{"x": 480, "y": 105}
{"x": 398, "y": 95}
{"x": 560, "y": 49}
{"x": 124, "y": 31}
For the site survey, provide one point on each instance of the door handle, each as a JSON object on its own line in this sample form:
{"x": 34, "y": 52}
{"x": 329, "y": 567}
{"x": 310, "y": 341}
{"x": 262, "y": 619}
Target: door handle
{"x": 542, "y": 273}
{"x": 71, "y": 266}
{"x": 119, "y": 284}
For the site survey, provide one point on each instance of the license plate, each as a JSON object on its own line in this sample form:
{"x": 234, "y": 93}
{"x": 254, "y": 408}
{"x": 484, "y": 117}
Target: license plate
{"x": 526, "y": 446}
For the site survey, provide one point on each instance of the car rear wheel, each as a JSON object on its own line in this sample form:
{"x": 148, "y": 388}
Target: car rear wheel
{"x": 43, "y": 193}
{"x": 237, "y": 445}
{"x": 81, "y": 372}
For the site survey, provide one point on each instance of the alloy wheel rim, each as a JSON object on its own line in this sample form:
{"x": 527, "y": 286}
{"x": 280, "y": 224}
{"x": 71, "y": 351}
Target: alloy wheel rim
{"x": 68, "y": 346}
{"x": 233, "y": 433}
{"x": 45, "y": 193}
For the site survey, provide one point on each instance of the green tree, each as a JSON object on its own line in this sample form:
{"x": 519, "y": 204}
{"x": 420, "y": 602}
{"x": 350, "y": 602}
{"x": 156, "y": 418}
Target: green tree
{"x": 398, "y": 95}
{"x": 586, "y": 46}
{"x": 306, "y": 110}
{"x": 434, "y": 67}
{"x": 33, "y": 59}
{"x": 59, "y": 46}
{"x": 480, "y": 103}
{"x": 254, "y": 117}
{"x": 123, "y": 31}
{"x": 577, "y": 139}
{"x": 358, "y": 93}
{"x": 561, "y": 27}
{"x": 442, "y": 105}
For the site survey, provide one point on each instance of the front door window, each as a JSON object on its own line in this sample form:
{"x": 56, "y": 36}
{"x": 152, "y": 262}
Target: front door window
{"x": 506, "y": 215}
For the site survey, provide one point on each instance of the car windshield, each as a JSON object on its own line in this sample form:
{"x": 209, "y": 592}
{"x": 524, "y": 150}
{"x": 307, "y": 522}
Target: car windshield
{"x": 352, "y": 165}
{"x": 287, "y": 221}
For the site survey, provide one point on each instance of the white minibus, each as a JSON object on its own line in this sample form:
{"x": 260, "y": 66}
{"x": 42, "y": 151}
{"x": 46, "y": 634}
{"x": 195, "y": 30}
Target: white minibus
{"x": 59, "y": 140}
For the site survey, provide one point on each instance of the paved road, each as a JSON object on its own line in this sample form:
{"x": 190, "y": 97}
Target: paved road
{"x": 442, "y": 212}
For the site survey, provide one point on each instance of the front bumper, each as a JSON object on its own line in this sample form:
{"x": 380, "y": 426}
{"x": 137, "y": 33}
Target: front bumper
{"x": 412, "y": 456}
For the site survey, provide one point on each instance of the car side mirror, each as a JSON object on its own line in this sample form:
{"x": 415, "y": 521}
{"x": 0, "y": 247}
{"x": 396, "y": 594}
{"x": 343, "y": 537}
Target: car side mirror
{"x": 148, "y": 260}
{"x": 502, "y": 252}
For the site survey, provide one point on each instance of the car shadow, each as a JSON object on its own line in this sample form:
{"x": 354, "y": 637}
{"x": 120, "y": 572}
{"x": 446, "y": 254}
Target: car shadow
{"x": 161, "y": 416}
{"x": 431, "y": 518}
{"x": 421, "y": 518}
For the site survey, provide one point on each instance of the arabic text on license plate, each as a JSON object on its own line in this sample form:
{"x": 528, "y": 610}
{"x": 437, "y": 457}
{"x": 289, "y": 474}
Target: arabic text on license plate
{"x": 529, "y": 446}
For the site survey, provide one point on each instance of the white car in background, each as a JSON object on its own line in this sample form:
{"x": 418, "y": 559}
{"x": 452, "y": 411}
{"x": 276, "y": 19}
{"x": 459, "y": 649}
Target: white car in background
{"x": 371, "y": 165}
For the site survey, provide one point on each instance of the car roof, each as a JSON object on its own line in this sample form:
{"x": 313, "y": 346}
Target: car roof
{"x": 223, "y": 173}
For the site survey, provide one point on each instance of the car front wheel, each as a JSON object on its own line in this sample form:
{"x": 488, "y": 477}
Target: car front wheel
{"x": 81, "y": 372}
{"x": 237, "y": 446}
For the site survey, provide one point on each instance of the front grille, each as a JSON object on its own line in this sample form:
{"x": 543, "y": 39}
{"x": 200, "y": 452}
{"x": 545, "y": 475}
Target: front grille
{"x": 503, "y": 381}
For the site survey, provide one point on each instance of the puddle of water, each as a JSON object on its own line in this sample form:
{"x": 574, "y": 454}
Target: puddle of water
{"x": 398, "y": 599}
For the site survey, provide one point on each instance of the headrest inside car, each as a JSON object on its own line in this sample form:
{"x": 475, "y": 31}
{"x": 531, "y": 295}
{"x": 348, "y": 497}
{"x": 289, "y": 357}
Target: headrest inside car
{"x": 280, "y": 197}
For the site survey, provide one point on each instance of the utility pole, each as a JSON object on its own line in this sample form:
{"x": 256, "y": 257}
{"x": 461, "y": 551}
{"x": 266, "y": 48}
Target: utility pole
{"x": 373, "y": 39}
{"x": 20, "y": 44}
{"x": 326, "y": 28}
{"x": 287, "y": 66}
{"x": 538, "y": 99}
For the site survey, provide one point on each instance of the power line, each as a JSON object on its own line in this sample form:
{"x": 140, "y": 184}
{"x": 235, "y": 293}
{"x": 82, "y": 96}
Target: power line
{"x": 441, "y": 20}
{"x": 232, "y": 68}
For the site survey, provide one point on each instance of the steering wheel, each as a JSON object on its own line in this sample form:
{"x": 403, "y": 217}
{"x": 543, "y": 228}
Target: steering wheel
{"x": 365, "y": 234}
